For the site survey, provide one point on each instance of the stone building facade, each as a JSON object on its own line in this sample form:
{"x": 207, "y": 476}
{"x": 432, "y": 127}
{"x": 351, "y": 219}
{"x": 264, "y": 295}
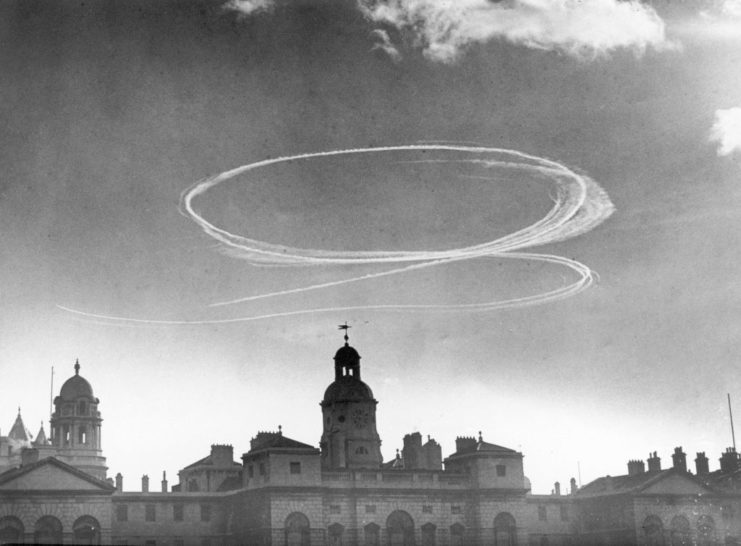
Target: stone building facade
{"x": 285, "y": 492}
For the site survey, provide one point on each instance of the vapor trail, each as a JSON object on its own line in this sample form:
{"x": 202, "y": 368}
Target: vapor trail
{"x": 579, "y": 205}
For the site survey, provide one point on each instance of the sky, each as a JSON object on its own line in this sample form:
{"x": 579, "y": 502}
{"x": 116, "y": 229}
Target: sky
{"x": 476, "y": 118}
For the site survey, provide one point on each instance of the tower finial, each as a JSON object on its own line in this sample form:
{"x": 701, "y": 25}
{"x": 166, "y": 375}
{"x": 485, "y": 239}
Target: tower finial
{"x": 346, "y": 328}
{"x": 77, "y": 366}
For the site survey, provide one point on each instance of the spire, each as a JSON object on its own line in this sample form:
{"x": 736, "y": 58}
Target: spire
{"x": 41, "y": 436}
{"x": 19, "y": 430}
{"x": 77, "y": 366}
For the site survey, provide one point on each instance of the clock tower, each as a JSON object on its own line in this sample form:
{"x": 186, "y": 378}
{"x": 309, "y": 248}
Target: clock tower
{"x": 350, "y": 439}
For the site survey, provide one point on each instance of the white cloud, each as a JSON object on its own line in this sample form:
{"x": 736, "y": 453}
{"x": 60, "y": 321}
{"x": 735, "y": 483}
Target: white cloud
{"x": 726, "y": 131}
{"x": 248, "y": 7}
{"x": 582, "y": 28}
{"x": 732, "y": 8}
{"x": 384, "y": 44}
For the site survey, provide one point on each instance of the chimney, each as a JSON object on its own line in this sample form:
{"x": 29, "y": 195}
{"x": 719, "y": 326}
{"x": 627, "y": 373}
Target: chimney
{"x": 164, "y": 482}
{"x": 654, "y": 462}
{"x": 679, "y": 460}
{"x": 557, "y": 488}
{"x": 145, "y": 484}
{"x": 465, "y": 443}
{"x": 29, "y": 455}
{"x": 119, "y": 482}
{"x": 636, "y": 467}
{"x": 702, "y": 465}
{"x": 223, "y": 455}
{"x": 572, "y": 484}
{"x": 729, "y": 460}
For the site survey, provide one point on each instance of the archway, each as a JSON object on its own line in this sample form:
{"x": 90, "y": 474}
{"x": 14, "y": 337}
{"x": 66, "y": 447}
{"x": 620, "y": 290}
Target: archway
{"x": 400, "y": 529}
{"x": 11, "y": 530}
{"x": 336, "y": 534}
{"x": 429, "y": 532}
{"x": 48, "y": 530}
{"x": 505, "y": 530}
{"x": 372, "y": 535}
{"x": 457, "y": 534}
{"x": 86, "y": 530}
{"x": 705, "y": 531}
{"x": 653, "y": 531}
{"x": 297, "y": 530}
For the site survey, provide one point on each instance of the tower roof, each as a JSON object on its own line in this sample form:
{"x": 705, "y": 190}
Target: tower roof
{"x": 19, "y": 430}
{"x": 76, "y": 386}
{"x": 41, "y": 437}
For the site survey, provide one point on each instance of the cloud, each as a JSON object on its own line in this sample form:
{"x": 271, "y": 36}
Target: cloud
{"x": 581, "y": 28}
{"x": 249, "y": 7}
{"x": 732, "y": 8}
{"x": 384, "y": 44}
{"x": 726, "y": 131}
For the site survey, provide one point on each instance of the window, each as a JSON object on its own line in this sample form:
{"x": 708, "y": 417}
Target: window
{"x": 726, "y": 512}
{"x": 455, "y": 509}
{"x": 501, "y": 470}
{"x": 150, "y": 513}
{"x": 335, "y": 531}
{"x": 361, "y": 451}
{"x": 295, "y": 468}
{"x": 205, "y": 512}
{"x": 428, "y": 534}
{"x": 542, "y": 514}
{"x": 370, "y": 508}
{"x": 150, "y": 543}
{"x": 262, "y": 469}
{"x": 372, "y": 534}
{"x": 427, "y": 509}
{"x": 564, "y": 513}
{"x": 177, "y": 512}
{"x": 505, "y": 529}
{"x": 81, "y": 408}
{"x": 457, "y": 532}
{"x": 192, "y": 485}
{"x": 82, "y": 436}
{"x": 122, "y": 512}
{"x": 335, "y": 509}
{"x": 251, "y": 471}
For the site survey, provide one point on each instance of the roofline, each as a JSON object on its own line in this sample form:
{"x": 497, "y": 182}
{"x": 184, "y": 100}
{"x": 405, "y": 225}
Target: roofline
{"x": 25, "y": 469}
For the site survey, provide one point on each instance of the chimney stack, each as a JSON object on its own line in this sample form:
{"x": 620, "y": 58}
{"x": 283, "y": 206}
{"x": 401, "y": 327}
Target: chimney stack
{"x": 557, "y": 488}
{"x": 729, "y": 461}
{"x": 164, "y": 482}
{"x": 679, "y": 459}
{"x": 572, "y": 484}
{"x": 119, "y": 482}
{"x": 654, "y": 462}
{"x": 702, "y": 465}
{"x": 636, "y": 467}
{"x": 145, "y": 484}
{"x": 29, "y": 455}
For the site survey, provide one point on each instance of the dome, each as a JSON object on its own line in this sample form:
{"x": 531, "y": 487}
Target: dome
{"x": 346, "y": 355}
{"x": 347, "y": 389}
{"x": 76, "y": 387}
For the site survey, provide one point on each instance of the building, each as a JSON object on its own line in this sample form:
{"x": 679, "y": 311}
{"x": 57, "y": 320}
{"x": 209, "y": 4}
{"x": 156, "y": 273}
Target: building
{"x": 285, "y": 492}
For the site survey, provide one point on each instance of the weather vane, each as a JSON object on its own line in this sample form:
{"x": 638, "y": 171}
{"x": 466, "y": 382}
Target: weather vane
{"x": 346, "y": 328}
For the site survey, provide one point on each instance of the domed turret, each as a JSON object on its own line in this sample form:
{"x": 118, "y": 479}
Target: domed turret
{"x": 350, "y": 439}
{"x": 76, "y": 387}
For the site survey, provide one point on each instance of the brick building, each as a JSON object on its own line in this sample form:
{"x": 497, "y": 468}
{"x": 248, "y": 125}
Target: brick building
{"x": 342, "y": 492}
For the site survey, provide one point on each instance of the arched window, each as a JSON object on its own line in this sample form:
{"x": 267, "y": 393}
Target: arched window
{"x": 457, "y": 532}
{"x": 372, "y": 535}
{"x": 653, "y": 530}
{"x": 400, "y": 529}
{"x": 505, "y": 530}
{"x": 11, "y": 530}
{"x": 48, "y": 530}
{"x": 362, "y": 450}
{"x": 81, "y": 408}
{"x": 428, "y": 534}
{"x": 705, "y": 531}
{"x": 680, "y": 533}
{"x": 86, "y": 530}
{"x": 297, "y": 530}
{"x": 336, "y": 532}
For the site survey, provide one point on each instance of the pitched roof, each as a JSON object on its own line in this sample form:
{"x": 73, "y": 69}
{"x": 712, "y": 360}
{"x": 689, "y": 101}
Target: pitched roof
{"x": 208, "y": 461}
{"x": 481, "y": 446}
{"x": 275, "y": 440}
{"x": 608, "y": 485}
{"x": 41, "y": 437}
{"x": 230, "y": 484}
{"x": 17, "y": 472}
{"x": 19, "y": 430}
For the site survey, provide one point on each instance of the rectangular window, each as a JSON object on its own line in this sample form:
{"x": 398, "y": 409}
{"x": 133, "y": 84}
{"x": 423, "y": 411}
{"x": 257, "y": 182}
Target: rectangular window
{"x": 122, "y": 512}
{"x": 262, "y": 469}
{"x": 177, "y": 512}
{"x": 334, "y": 509}
{"x": 427, "y": 509}
{"x": 150, "y": 512}
{"x": 295, "y": 468}
{"x": 501, "y": 470}
{"x": 251, "y": 471}
{"x": 205, "y": 512}
{"x": 542, "y": 515}
{"x": 370, "y": 508}
{"x": 564, "y": 513}
{"x": 455, "y": 509}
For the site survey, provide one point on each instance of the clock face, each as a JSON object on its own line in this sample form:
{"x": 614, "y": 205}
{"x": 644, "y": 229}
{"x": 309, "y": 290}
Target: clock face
{"x": 360, "y": 417}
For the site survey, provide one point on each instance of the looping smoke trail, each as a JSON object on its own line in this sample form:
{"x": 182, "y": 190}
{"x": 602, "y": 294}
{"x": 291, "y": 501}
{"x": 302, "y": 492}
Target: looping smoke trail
{"x": 579, "y": 205}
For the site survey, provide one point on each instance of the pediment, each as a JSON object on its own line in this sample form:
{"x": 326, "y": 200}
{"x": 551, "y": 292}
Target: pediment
{"x": 674, "y": 484}
{"x": 50, "y": 475}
